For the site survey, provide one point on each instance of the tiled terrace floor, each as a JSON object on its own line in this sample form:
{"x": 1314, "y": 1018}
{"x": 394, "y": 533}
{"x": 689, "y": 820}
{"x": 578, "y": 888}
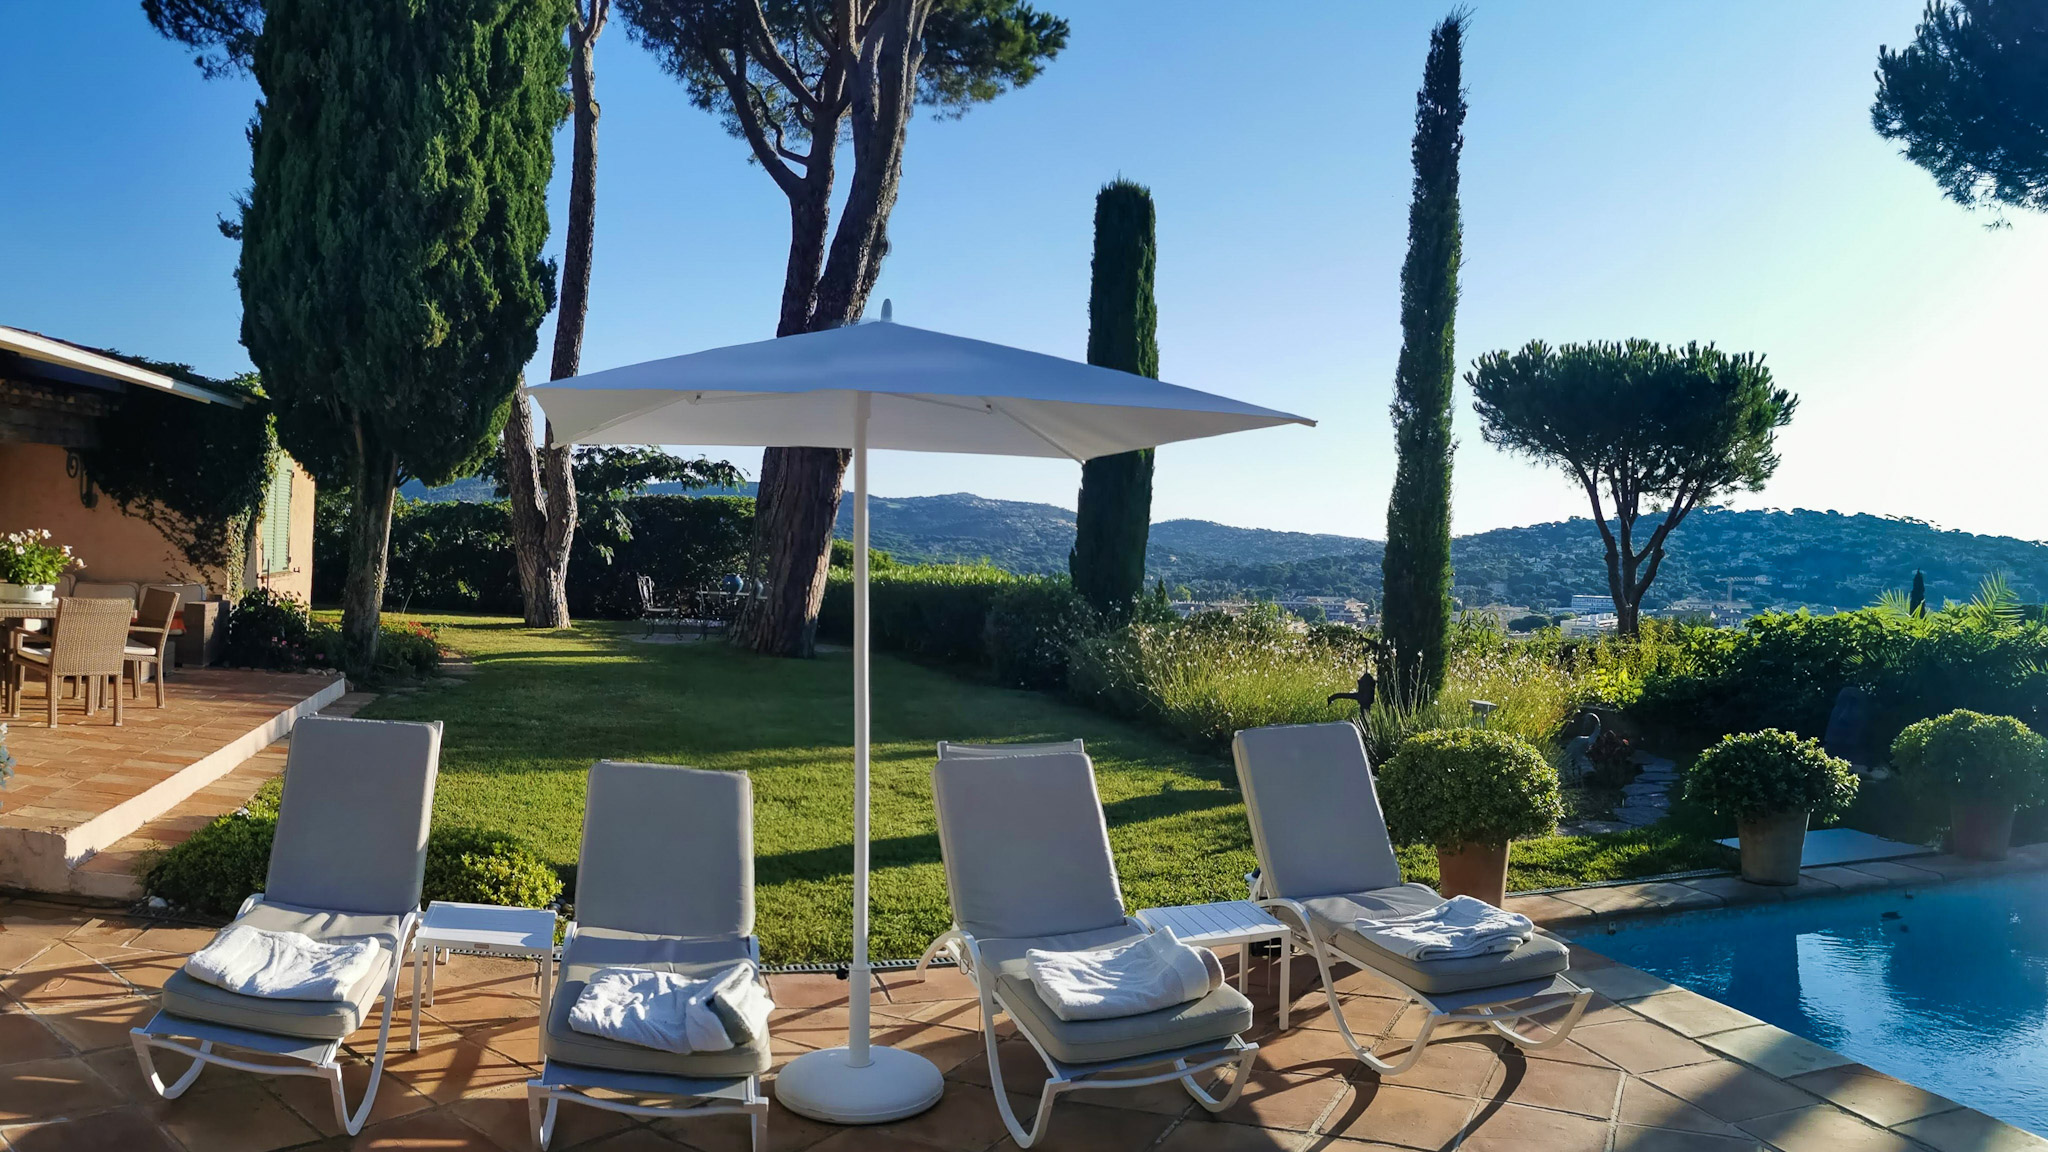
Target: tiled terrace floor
{"x": 70, "y": 774}
{"x": 1651, "y": 1069}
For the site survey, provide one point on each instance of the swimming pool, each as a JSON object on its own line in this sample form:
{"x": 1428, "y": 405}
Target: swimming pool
{"x": 1946, "y": 987}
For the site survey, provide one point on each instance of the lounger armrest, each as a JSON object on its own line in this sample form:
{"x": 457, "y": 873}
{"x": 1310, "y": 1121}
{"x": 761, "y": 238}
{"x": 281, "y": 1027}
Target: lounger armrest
{"x": 1294, "y": 912}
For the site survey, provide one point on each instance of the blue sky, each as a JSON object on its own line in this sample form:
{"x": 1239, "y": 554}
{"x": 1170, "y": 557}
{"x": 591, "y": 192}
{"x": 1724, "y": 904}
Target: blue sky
{"x": 1689, "y": 170}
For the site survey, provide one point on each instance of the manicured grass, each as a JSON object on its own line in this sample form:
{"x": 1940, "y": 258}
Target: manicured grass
{"x": 521, "y": 735}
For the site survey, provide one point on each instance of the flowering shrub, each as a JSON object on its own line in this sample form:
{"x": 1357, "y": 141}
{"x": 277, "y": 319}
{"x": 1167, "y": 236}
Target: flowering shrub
{"x": 28, "y": 557}
{"x": 266, "y": 629}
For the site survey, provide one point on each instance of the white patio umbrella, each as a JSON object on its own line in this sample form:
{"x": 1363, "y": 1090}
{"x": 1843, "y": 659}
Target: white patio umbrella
{"x": 881, "y": 385}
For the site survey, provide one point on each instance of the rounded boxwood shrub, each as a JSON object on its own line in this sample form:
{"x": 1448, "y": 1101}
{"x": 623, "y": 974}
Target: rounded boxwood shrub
{"x": 1756, "y": 774}
{"x": 228, "y": 860}
{"x": 475, "y": 867}
{"x": 1458, "y": 786}
{"x": 1975, "y": 758}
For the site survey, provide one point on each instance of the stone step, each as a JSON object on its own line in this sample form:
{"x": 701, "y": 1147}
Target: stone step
{"x": 115, "y": 872}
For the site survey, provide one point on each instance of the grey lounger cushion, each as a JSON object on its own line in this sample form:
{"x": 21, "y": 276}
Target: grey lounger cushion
{"x": 667, "y": 851}
{"x": 313, "y": 1019}
{"x": 949, "y": 750}
{"x": 352, "y": 823}
{"x": 1216, "y": 1017}
{"x": 1315, "y": 816}
{"x": 1334, "y": 915}
{"x": 597, "y": 948}
{"x": 1025, "y": 847}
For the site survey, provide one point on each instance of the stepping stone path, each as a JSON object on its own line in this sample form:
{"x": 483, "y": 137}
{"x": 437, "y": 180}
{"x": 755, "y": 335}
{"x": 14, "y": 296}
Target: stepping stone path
{"x": 1646, "y": 800}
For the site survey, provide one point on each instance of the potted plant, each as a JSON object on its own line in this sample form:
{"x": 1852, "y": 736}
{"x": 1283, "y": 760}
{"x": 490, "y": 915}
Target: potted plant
{"x": 30, "y": 565}
{"x": 1469, "y": 792}
{"x": 1772, "y": 783}
{"x": 1984, "y": 767}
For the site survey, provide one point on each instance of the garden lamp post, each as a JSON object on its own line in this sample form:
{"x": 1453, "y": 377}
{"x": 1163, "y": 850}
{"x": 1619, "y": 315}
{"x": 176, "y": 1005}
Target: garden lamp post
{"x": 881, "y": 385}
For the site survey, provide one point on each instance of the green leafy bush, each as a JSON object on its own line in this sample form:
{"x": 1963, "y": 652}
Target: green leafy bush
{"x": 1770, "y": 772}
{"x": 1785, "y": 669}
{"x": 1463, "y": 786}
{"x": 475, "y": 867}
{"x": 227, "y": 861}
{"x": 458, "y": 555}
{"x": 266, "y": 629}
{"x": 1972, "y": 757}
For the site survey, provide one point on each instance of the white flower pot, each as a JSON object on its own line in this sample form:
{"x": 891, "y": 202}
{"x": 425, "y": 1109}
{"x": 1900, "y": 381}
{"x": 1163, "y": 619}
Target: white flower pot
{"x": 28, "y": 593}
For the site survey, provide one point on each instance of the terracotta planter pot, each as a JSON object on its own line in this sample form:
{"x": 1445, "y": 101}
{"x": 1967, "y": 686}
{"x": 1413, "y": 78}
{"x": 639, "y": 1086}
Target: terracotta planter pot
{"x": 1980, "y": 831}
{"x": 1771, "y": 847}
{"x": 1476, "y": 870}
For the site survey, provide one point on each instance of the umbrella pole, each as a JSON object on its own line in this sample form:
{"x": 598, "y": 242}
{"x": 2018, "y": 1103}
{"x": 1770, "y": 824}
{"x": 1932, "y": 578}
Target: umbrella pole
{"x": 860, "y": 981}
{"x": 859, "y": 1084}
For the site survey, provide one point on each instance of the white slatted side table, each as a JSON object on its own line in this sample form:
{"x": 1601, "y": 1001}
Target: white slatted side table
{"x": 1238, "y": 922}
{"x": 494, "y": 930}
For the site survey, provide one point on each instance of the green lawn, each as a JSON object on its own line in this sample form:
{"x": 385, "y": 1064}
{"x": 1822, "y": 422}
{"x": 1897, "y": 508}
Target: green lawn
{"x": 522, "y": 733}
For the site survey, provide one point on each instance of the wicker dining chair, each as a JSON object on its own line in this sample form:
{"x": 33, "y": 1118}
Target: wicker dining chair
{"x": 149, "y": 641}
{"x": 86, "y": 647}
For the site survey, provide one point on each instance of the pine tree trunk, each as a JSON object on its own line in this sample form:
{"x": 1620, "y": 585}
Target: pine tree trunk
{"x": 1416, "y": 567}
{"x": 369, "y": 540}
{"x": 797, "y": 502}
{"x": 798, "y": 510}
{"x": 1113, "y": 517}
{"x": 540, "y": 479}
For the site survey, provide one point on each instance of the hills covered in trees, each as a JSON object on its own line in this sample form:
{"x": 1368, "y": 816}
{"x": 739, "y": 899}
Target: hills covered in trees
{"x": 1822, "y": 560}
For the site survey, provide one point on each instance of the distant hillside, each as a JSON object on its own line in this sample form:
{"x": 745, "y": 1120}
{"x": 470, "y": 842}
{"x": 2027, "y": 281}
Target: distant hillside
{"x": 1821, "y": 560}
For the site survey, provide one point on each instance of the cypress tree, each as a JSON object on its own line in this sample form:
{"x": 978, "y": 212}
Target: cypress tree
{"x": 391, "y": 269}
{"x": 1416, "y": 617}
{"x": 1114, "y": 514}
{"x": 1917, "y": 605}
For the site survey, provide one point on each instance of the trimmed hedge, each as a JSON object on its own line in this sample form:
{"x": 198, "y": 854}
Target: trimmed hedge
{"x": 228, "y": 860}
{"x": 458, "y": 556}
{"x": 1784, "y": 670}
{"x": 1015, "y": 629}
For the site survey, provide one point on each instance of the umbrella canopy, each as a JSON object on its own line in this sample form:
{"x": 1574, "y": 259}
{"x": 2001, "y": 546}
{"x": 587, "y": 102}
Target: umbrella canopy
{"x": 881, "y": 385}
{"x": 931, "y": 393}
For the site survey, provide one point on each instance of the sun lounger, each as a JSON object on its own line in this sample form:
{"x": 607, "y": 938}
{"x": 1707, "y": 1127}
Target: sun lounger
{"x": 948, "y": 942}
{"x": 665, "y": 882}
{"x": 350, "y": 851}
{"x": 1325, "y": 861}
{"x": 1028, "y": 866}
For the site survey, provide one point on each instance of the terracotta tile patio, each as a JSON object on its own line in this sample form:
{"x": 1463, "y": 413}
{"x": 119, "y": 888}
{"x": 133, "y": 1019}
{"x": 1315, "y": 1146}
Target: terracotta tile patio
{"x": 84, "y": 785}
{"x": 1645, "y": 1073}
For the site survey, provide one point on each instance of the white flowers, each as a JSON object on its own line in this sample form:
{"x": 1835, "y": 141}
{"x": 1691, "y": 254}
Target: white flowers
{"x": 28, "y": 557}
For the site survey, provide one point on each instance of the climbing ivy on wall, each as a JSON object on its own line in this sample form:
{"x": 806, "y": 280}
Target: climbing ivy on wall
{"x": 196, "y": 472}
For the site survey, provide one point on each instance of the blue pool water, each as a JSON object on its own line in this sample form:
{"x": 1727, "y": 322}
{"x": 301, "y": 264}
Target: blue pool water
{"x": 1946, "y": 987}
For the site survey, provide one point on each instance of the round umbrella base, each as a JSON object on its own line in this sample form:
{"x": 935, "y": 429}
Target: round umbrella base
{"x": 821, "y": 1085}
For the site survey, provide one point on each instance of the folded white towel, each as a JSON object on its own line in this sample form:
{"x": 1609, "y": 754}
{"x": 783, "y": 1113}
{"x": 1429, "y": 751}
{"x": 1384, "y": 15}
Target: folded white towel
{"x": 1145, "y": 975}
{"x": 285, "y": 965}
{"x": 1460, "y": 926}
{"x": 674, "y": 1013}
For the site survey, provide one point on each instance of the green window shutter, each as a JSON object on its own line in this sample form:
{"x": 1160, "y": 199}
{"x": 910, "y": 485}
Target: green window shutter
{"x": 277, "y": 518}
